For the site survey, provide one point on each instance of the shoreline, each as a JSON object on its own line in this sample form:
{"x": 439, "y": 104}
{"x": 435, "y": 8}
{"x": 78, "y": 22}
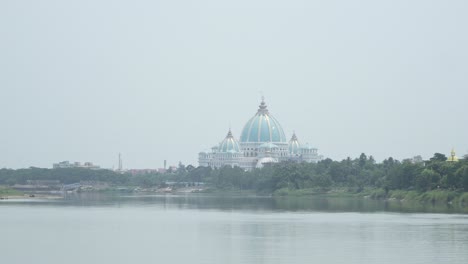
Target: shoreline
{"x": 433, "y": 197}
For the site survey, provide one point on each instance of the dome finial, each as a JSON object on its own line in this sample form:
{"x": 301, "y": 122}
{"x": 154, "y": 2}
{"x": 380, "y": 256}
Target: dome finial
{"x": 294, "y": 137}
{"x": 262, "y": 109}
{"x": 229, "y": 134}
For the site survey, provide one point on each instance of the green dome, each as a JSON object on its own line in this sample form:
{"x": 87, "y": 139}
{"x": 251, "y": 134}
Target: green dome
{"x": 307, "y": 146}
{"x": 263, "y": 127}
{"x": 229, "y": 144}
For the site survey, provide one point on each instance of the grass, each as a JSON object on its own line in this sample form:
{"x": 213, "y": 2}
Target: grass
{"x": 463, "y": 199}
{"x": 403, "y": 195}
{"x": 438, "y": 196}
{"x": 5, "y": 191}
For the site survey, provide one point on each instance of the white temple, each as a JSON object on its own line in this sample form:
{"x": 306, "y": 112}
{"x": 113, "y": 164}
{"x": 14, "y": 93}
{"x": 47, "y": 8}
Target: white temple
{"x": 262, "y": 141}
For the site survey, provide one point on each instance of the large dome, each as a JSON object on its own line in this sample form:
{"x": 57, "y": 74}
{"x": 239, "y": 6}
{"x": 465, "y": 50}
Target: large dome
{"x": 263, "y": 127}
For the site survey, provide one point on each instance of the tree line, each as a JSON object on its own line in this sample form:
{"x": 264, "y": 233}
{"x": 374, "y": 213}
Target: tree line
{"x": 354, "y": 174}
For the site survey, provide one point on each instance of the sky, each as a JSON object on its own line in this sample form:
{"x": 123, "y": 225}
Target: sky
{"x": 164, "y": 80}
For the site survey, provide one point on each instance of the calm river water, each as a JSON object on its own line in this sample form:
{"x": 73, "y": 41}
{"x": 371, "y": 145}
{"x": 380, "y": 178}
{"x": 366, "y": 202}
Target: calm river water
{"x": 231, "y": 229}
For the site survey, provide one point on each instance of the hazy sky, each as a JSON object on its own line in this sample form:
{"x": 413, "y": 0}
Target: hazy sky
{"x": 154, "y": 80}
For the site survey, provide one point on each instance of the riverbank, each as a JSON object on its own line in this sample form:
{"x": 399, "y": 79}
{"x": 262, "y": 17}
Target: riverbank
{"x": 434, "y": 196}
{"x": 439, "y": 197}
{"x": 7, "y": 193}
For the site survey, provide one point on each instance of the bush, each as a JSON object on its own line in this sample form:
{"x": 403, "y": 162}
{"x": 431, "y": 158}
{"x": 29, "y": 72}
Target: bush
{"x": 378, "y": 194}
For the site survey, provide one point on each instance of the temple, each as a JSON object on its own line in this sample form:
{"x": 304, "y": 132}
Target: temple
{"x": 453, "y": 156}
{"x": 262, "y": 141}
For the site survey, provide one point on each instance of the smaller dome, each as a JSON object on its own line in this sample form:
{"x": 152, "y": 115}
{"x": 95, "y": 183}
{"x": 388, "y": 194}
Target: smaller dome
{"x": 267, "y": 160}
{"x": 229, "y": 144}
{"x": 307, "y": 146}
{"x": 207, "y": 151}
{"x": 294, "y": 145}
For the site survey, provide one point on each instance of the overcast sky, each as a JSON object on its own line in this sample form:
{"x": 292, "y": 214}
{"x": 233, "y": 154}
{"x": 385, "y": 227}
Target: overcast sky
{"x": 155, "y": 80}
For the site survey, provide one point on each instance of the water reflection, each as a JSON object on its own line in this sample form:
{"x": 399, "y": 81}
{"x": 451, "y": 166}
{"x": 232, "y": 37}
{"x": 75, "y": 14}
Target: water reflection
{"x": 122, "y": 228}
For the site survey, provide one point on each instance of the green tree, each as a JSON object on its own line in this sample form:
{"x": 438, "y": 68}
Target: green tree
{"x": 438, "y": 157}
{"x": 425, "y": 181}
{"x": 462, "y": 174}
{"x": 362, "y": 160}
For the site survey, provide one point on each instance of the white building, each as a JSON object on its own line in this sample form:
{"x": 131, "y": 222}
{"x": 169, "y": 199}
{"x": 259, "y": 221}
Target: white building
{"x": 262, "y": 141}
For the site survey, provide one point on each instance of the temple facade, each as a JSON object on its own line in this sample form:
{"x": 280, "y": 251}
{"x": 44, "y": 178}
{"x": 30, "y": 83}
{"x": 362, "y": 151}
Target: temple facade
{"x": 262, "y": 141}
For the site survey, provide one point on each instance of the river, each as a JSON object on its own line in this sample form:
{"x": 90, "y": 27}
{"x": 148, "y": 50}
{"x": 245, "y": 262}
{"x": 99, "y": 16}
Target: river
{"x": 114, "y": 229}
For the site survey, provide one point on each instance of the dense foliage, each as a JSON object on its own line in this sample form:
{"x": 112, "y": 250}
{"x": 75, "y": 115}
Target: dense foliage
{"x": 355, "y": 174}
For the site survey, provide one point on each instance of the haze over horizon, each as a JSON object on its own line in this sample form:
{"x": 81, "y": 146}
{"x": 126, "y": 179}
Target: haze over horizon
{"x": 164, "y": 80}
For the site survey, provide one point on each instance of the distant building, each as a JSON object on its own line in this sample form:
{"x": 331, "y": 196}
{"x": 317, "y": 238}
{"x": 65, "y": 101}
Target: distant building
{"x": 63, "y": 165}
{"x": 417, "y": 159}
{"x": 262, "y": 142}
{"x": 66, "y": 164}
